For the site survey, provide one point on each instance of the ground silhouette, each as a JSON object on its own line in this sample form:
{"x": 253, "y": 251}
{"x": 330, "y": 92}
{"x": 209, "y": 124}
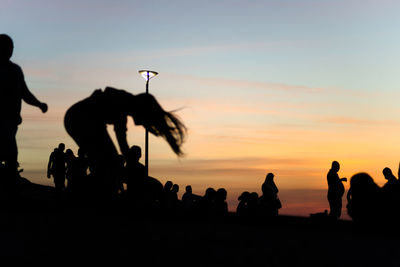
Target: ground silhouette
{"x": 39, "y": 231}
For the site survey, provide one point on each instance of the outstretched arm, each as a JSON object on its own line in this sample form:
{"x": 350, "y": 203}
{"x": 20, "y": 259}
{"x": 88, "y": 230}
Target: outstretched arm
{"x": 30, "y": 99}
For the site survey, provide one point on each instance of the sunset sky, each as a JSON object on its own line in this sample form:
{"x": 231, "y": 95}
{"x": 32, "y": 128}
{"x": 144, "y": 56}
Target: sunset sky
{"x": 263, "y": 86}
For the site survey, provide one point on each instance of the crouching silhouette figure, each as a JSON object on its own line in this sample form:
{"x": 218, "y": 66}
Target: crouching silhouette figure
{"x": 86, "y": 123}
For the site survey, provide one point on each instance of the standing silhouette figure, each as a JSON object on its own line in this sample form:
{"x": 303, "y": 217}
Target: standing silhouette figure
{"x": 168, "y": 196}
{"x": 86, "y": 123}
{"x": 13, "y": 90}
{"x": 242, "y": 209}
{"x": 189, "y": 200}
{"x": 335, "y": 190}
{"x": 78, "y": 180}
{"x": 135, "y": 172}
{"x": 391, "y": 187}
{"x": 221, "y": 206}
{"x": 269, "y": 201}
{"x": 57, "y": 167}
{"x": 391, "y": 195}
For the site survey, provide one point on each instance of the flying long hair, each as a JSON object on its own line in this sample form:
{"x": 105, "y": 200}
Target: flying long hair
{"x": 160, "y": 122}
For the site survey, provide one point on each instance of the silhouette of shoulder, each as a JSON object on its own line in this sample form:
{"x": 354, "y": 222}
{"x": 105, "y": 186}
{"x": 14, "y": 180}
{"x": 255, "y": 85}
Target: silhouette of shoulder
{"x": 332, "y": 177}
{"x": 11, "y": 68}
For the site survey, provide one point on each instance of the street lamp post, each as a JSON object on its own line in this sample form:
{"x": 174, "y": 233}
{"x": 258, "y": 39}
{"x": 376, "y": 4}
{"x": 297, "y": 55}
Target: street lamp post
{"x": 147, "y": 75}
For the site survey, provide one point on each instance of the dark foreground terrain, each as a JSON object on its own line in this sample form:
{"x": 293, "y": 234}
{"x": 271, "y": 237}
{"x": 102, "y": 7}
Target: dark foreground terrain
{"x": 38, "y": 229}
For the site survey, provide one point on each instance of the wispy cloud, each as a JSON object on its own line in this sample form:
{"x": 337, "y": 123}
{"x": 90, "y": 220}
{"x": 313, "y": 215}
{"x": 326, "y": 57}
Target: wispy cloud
{"x": 243, "y": 84}
{"x": 357, "y": 121}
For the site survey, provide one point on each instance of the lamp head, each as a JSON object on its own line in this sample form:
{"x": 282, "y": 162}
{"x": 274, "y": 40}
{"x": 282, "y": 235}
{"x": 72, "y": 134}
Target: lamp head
{"x": 147, "y": 74}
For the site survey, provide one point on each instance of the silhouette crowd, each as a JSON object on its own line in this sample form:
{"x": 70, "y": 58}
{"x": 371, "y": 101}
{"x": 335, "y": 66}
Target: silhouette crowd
{"x": 143, "y": 193}
{"x": 366, "y": 201}
{"x": 99, "y": 173}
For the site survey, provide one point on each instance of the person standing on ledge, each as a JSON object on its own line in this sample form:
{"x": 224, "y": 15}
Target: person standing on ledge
{"x": 335, "y": 190}
{"x": 13, "y": 90}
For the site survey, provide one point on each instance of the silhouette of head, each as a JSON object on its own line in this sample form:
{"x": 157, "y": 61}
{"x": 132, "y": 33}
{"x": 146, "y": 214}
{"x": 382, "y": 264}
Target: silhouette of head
{"x": 149, "y": 113}
{"x": 135, "y": 153}
{"x": 69, "y": 152}
{"x": 244, "y": 196}
{"x": 387, "y": 172}
{"x": 6, "y": 47}
{"x": 168, "y": 185}
{"x": 221, "y": 194}
{"x": 253, "y": 198}
{"x": 269, "y": 177}
{"x": 362, "y": 182}
{"x": 175, "y": 188}
{"x": 210, "y": 193}
{"x": 61, "y": 147}
{"x": 189, "y": 189}
{"x": 335, "y": 166}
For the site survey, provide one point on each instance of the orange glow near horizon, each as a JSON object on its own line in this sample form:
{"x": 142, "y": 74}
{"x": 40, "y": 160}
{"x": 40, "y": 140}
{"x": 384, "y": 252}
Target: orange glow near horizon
{"x": 233, "y": 143}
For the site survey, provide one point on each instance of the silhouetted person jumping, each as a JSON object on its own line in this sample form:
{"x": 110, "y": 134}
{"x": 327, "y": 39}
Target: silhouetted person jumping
{"x": 335, "y": 190}
{"x": 86, "y": 123}
{"x": 13, "y": 90}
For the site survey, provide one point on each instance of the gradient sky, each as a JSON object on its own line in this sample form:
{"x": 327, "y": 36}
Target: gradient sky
{"x": 263, "y": 86}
